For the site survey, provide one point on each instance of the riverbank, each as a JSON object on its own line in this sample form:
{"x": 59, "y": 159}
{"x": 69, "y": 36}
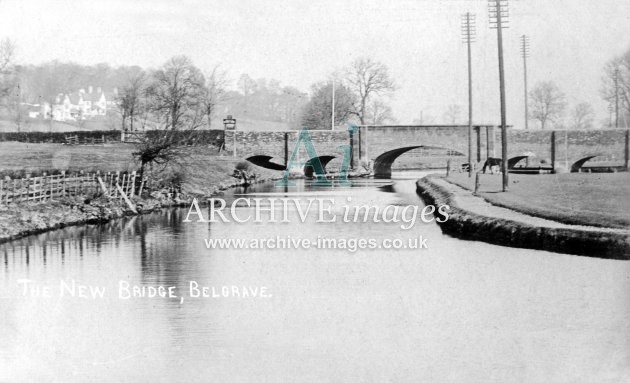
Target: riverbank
{"x": 473, "y": 218}
{"x": 19, "y": 220}
{"x": 200, "y": 173}
{"x": 590, "y": 199}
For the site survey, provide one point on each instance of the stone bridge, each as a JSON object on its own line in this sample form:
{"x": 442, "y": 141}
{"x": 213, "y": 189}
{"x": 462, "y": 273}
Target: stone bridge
{"x": 431, "y": 146}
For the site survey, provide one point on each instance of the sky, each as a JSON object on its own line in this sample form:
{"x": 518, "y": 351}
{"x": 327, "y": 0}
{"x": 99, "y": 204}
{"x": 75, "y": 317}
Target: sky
{"x": 300, "y": 42}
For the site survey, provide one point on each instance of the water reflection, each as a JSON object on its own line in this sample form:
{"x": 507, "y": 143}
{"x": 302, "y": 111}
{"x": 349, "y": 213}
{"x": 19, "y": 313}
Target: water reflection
{"x": 460, "y": 311}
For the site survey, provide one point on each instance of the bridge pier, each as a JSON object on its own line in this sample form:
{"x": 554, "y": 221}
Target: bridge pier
{"x": 490, "y": 142}
{"x": 553, "y": 152}
{"x": 627, "y": 150}
{"x": 286, "y": 150}
{"x": 478, "y": 131}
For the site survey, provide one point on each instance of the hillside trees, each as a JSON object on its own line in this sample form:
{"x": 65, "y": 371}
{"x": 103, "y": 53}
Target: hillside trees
{"x": 582, "y": 116}
{"x": 317, "y": 112}
{"x": 547, "y": 103}
{"x": 616, "y": 85}
{"x": 213, "y": 94}
{"x": 367, "y": 79}
{"x": 175, "y": 93}
{"x": 379, "y": 113}
{"x": 129, "y": 99}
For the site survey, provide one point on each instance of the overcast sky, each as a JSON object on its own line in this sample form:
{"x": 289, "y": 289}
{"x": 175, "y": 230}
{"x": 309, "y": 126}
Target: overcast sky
{"x": 300, "y": 42}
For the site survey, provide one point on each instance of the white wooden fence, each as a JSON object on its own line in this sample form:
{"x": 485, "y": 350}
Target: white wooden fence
{"x": 46, "y": 188}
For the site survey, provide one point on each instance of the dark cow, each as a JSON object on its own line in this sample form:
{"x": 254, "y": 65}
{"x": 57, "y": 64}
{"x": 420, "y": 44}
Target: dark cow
{"x": 490, "y": 163}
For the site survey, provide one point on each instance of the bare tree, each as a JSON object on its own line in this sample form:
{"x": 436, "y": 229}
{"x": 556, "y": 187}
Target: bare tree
{"x": 582, "y": 116}
{"x": 175, "y": 101}
{"x": 452, "y": 114}
{"x": 11, "y": 91}
{"x": 130, "y": 95}
{"x": 7, "y": 53}
{"x": 55, "y": 79}
{"x": 367, "y": 78}
{"x": 16, "y": 109}
{"x": 379, "y": 113}
{"x": 177, "y": 91}
{"x": 214, "y": 93}
{"x": 619, "y": 69}
{"x": 317, "y": 113}
{"x": 246, "y": 85}
{"x": 547, "y": 103}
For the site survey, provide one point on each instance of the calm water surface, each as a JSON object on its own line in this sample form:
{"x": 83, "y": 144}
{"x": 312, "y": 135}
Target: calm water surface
{"x": 458, "y": 311}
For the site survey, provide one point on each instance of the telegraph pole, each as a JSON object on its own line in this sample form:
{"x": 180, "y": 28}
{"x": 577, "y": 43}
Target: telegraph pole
{"x": 525, "y": 53}
{"x": 468, "y": 34}
{"x": 332, "y": 116}
{"x": 498, "y": 15}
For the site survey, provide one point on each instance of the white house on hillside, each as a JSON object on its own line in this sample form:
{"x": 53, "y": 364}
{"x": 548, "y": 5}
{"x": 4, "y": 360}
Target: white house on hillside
{"x": 79, "y": 105}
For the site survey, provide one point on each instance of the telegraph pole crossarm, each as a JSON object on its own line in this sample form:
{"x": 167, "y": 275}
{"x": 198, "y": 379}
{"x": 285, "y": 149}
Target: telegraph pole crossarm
{"x": 525, "y": 54}
{"x": 468, "y": 34}
{"x": 498, "y": 20}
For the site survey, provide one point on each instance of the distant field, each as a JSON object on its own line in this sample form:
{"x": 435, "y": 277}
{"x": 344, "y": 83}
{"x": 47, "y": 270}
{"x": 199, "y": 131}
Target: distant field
{"x": 42, "y": 157}
{"x": 598, "y": 199}
{"x": 112, "y": 123}
{"x": 37, "y": 125}
{"x": 201, "y": 168}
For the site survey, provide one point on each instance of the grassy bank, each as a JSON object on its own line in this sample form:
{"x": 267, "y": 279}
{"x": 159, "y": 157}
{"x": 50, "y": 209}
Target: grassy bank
{"x": 200, "y": 171}
{"x": 595, "y": 199}
{"x": 17, "y": 156}
{"x": 514, "y": 231}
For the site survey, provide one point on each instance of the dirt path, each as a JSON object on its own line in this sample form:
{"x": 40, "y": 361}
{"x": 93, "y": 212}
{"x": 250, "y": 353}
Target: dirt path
{"x": 478, "y": 205}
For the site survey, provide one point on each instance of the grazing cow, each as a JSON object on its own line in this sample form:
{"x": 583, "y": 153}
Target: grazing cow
{"x": 491, "y": 163}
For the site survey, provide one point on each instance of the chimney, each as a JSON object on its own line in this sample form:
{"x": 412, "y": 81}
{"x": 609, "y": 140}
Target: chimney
{"x": 90, "y": 89}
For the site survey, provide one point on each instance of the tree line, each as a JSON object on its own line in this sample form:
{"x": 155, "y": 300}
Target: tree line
{"x": 179, "y": 94}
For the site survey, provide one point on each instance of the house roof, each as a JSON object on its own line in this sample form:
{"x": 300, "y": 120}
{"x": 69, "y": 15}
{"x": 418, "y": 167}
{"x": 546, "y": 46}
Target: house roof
{"x": 74, "y": 98}
{"x": 92, "y": 97}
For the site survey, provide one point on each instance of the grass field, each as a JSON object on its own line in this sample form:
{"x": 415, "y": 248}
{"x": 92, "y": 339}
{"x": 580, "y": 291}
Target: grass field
{"x": 597, "y": 199}
{"x": 200, "y": 168}
{"x": 15, "y": 156}
{"x": 43, "y": 157}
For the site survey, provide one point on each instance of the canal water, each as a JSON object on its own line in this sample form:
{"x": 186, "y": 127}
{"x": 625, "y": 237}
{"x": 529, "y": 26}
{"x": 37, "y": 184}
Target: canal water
{"x": 455, "y": 311}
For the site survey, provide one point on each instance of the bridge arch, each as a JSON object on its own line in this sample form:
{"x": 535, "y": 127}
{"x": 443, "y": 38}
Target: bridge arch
{"x": 264, "y": 161}
{"x": 311, "y": 165}
{"x": 577, "y": 165}
{"x": 383, "y": 163}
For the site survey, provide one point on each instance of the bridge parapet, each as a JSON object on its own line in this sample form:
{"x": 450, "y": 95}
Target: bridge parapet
{"x": 372, "y": 141}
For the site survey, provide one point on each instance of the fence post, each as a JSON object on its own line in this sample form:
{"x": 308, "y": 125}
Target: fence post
{"x": 553, "y": 152}
{"x": 133, "y": 183}
{"x": 477, "y": 182}
{"x": 117, "y": 182}
{"x": 122, "y": 182}
{"x": 63, "y": 183}
{"x": 111, "y": 180}
{"x": 42, "y": 187}
{"x": 141, "y": 187}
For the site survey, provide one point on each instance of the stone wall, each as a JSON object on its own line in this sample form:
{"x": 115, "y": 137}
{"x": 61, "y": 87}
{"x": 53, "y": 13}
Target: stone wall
{"x": 609, "y": 145}
{"x": 373, "y": 141}
{"x": 249, "y": 143}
